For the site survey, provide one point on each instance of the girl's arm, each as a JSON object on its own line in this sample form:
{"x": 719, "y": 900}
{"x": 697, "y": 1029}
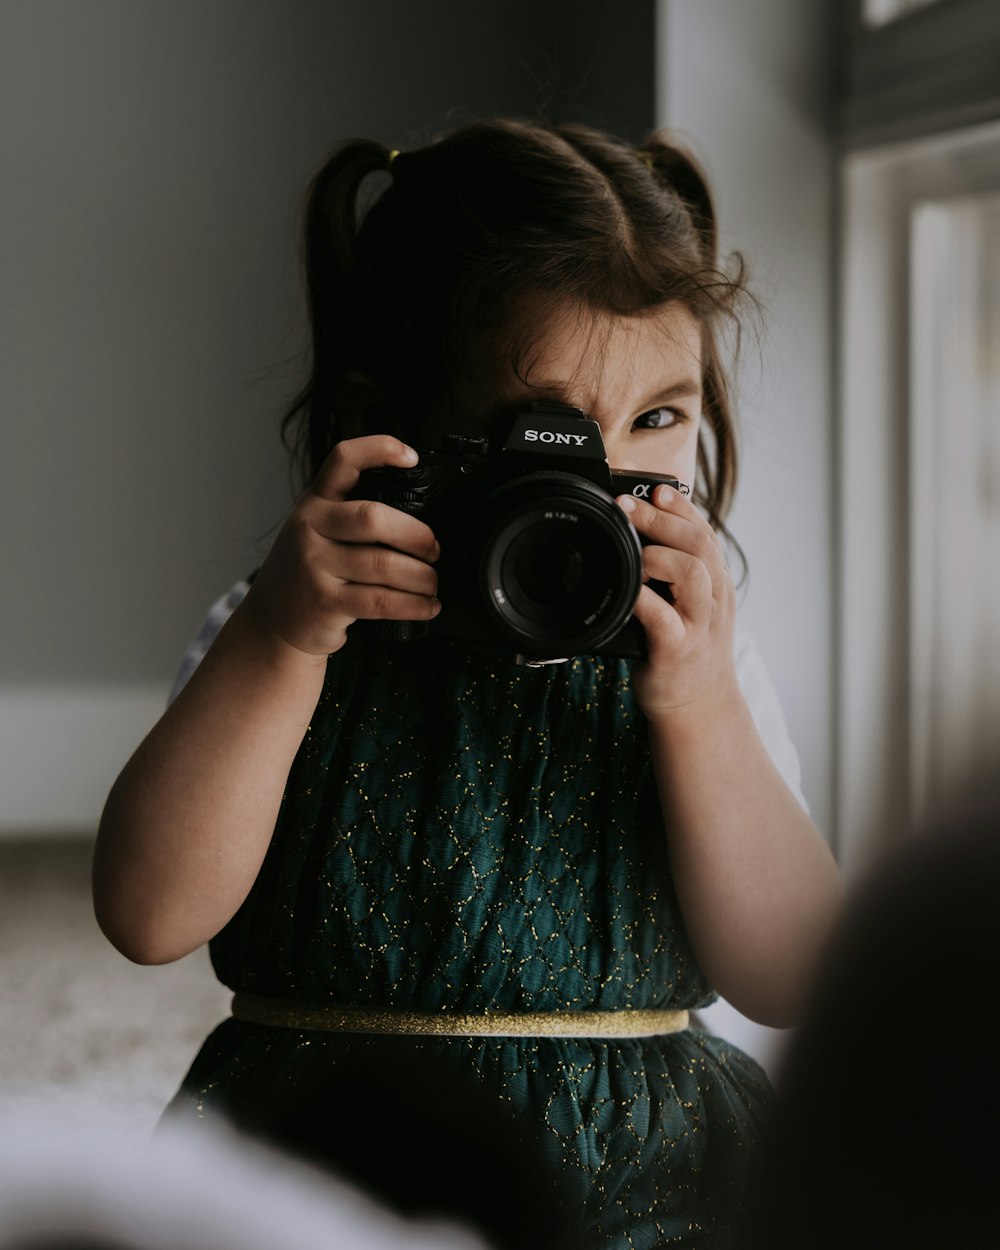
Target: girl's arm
{"x": 757, "y": 885}
{"x": 188, "y": 822}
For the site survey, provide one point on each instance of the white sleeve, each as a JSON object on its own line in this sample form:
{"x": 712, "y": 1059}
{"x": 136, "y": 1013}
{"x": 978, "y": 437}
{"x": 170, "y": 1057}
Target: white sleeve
{"x": 762, "y": 699}
{"x": 218, "y": 614}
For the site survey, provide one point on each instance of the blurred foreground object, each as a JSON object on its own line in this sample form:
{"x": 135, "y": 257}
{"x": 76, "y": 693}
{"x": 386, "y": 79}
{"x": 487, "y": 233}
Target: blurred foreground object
{"x": 203, "y": 1189}
{"x": 887, "y": 1131}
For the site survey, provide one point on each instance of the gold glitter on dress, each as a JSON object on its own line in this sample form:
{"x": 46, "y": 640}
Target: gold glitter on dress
{"x": 462, "y": 835}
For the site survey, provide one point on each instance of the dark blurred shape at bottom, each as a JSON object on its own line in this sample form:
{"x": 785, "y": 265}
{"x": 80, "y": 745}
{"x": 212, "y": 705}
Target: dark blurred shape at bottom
{"x": 887, "y": 1129}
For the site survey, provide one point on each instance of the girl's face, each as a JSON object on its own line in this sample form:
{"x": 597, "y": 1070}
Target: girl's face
{"x": 639, "y": 377}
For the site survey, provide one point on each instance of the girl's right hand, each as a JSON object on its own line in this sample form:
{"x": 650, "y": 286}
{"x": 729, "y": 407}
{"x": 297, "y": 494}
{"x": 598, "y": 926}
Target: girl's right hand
{"x": 337, "y": 560}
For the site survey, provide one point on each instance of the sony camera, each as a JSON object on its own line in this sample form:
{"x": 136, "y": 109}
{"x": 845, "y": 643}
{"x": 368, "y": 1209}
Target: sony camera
{"x": 536, "y": 557}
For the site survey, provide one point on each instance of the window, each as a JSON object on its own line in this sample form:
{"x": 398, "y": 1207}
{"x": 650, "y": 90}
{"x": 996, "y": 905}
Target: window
{"x": 919, "y": 473}
{"x": 912, "y": 68}
{"x": 918, "y": 413}
{"x": 879, "y": 12}
{"x": 954, "y": 489}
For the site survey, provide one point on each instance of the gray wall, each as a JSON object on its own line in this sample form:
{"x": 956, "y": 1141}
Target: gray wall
{"x": 153, "y": 161}
{"x": 751, "y": 88}
{"x": 153, "y": 157}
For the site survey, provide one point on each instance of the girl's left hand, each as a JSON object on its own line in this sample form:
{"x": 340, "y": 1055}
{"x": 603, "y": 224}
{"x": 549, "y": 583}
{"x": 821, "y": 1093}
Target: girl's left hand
{"x": 690, "y": 641}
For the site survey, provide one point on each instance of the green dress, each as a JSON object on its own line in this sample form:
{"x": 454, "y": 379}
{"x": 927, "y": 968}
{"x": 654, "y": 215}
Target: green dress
{"x": 462, "y": 834}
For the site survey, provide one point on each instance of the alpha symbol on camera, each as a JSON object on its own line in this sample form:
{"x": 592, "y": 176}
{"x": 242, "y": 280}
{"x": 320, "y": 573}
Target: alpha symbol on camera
{"x": 644, "y": 490}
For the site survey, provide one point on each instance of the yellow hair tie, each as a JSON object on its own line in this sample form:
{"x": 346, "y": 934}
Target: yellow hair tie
{"x": 646, "y": 158}
{"x": 392, "y": 156}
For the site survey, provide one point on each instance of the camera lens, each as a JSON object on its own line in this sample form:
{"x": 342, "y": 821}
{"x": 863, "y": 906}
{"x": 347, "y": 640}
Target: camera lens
{"x": 561, "y": 565}
{"x": 546, "y": 572}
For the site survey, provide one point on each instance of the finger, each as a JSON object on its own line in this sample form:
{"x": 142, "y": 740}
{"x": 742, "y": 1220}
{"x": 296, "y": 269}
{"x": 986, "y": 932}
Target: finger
{"x": 671, "y": 521}
{"x": 382, "y": 566}
{"x": 660, "y": 620}
{"x": 339, "y": 473}
{"x": 380, "y": 603}
{"x": 669, "y": 499}
{"x": 691, "y": 584}
{"x": 369, "y": 521}
{"x": 670, "y": 512}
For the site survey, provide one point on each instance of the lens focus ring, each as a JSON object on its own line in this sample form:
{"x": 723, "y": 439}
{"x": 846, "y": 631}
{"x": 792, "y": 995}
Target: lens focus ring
{"x": 561, "y": 564}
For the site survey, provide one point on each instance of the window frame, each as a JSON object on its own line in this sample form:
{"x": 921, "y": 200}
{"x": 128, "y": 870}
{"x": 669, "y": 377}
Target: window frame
{"x": 927, "y": 71}
{"x": 917, "y": 118}
{"x": 878, "y": 753}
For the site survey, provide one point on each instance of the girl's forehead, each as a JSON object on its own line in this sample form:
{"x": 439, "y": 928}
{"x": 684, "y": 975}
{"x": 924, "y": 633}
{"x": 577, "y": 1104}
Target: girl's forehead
{"x": 594, "y": 360}
{"x": 576, "y": 337}
{"x": 579, "y": 354}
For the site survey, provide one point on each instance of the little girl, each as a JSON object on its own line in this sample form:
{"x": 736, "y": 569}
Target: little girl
{"x": 535, "y": 873}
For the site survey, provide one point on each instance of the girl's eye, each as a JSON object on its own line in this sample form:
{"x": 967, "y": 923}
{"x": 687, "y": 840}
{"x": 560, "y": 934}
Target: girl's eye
{"x": 658, "y": 419}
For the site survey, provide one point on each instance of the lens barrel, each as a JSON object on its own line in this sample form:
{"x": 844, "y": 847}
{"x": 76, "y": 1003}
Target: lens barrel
{"x": 561, "y": 564}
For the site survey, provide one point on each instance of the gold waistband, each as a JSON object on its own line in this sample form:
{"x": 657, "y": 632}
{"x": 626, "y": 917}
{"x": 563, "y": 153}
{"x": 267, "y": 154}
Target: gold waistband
{"x": 336, "y": 1019}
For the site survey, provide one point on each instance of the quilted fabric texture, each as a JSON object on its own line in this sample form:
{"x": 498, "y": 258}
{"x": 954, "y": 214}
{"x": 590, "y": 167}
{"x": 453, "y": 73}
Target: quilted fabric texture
{"x": 462, "y": 834}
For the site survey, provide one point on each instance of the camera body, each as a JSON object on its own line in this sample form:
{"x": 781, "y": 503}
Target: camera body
{"x": 536, "y": 557}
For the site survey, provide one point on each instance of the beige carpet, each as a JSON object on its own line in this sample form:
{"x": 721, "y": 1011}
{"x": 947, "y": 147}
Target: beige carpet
{"x": 91, "y": 1048}
{"x": 84, "y": 1034}
{"x": 94, "y": 1038}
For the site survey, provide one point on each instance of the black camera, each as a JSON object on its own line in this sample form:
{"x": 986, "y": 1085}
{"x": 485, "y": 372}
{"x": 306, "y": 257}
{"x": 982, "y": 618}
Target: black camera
{"x": 536, "y": 556}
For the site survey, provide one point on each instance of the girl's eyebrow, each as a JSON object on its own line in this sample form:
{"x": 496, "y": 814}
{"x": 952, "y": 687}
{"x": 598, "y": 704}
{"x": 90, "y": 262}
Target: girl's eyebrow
{"x": 684, "y": 388}
{"x": 562, "y": 393}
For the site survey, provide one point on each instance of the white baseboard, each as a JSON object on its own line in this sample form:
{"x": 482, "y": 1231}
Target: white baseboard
{"x": 61, "y": 747}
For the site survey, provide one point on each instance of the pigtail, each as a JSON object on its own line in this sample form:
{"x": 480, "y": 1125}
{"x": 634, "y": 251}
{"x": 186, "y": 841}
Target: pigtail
{"x": 676, "y": 169}
{"x": 332, "y": 222}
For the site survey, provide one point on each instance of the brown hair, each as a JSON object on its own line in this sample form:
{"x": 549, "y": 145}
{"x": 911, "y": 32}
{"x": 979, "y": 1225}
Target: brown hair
{"x": 466, "y": 234}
